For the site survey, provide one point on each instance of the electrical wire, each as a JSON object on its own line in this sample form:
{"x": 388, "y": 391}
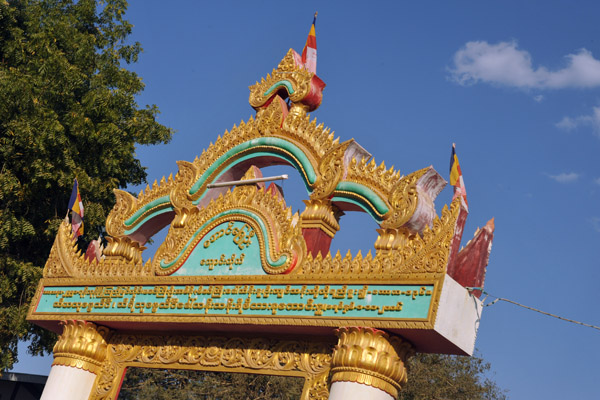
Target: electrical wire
{"x": 497, "y": 299}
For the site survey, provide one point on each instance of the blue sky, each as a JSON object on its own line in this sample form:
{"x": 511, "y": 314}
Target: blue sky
{"x": 516, "y": 85}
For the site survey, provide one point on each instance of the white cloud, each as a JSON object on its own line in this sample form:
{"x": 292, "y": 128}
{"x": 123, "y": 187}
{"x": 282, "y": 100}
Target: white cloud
{"x": 564, "y": 177}
{"x": 505, "y": 64}
{"x": 571, "y": 123}
{"x": 538, "y": 98}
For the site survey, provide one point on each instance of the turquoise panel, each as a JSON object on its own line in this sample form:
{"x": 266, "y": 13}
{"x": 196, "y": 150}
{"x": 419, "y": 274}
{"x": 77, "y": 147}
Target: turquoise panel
{"x": 395, "y": 301}
{"x": 217, "y": 230}
{"x": 231, "y": 248}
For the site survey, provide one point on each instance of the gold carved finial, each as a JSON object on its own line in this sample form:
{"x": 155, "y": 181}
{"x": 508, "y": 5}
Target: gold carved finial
{"x": 290, "y": 80}
{"x": 371, "y": 357}
{"x": 82, "y": 345}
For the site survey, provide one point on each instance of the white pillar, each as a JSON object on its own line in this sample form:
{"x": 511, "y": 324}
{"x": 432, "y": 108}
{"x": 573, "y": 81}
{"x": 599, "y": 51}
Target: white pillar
{"x": 78, "y": 356}
{"x": 368, "y": 364}
{"x": 68, "y": 383}
{"x": 353, "y": 390}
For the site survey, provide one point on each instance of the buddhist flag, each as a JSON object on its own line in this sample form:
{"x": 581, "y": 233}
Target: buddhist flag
{"x": 309, "y": 54}
{"x": 456, "y": 179}
{"x": 76, "y": 206}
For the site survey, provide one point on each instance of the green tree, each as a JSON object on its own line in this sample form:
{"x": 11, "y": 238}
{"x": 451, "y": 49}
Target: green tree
{"x": 443, "y": 377}
{"x": 162, "y": 384}
{"x": 67, "y": 109}
{"x": 431, "y": 377}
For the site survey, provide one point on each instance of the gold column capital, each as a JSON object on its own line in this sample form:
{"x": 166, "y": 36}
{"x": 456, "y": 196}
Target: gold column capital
{"x": 82, "y": 345}
{"x": 321, "y": 214}
{"x": 370, "y": 357}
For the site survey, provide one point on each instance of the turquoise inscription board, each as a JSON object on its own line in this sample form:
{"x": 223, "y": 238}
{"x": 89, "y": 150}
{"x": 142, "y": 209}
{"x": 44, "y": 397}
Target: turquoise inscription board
{"x": 396, "y": 302}
{"x": 231, "y": 248}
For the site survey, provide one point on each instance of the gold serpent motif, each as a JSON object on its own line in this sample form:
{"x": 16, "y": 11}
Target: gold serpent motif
{"x": 331, "y": 170}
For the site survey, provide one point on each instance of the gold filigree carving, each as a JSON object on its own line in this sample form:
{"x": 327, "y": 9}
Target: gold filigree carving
{"x": 123, "y": 249}
{"x": 376, "y": 177}
{"x": 316, "y": 139}
{"x": 180, "y": 198}
{"x": 309, "y": 359}
{"x": 331, "y": 170}
{"x": 296, "y": 78}
{"x": 320, "y": 214}
{"x": 403, "y": 201}
{"x": 81, "y": 345}
{"x": 66, "y": 261}
{"x": 284, "y": 238}
{"x": 125, "y": 204}
{"x": 370, "y": 357}
{"x": 64, "y": 251}
{"x": 270, "y": 118}
{"x": 392, "y": 239}
{"x": 416, "y": 253}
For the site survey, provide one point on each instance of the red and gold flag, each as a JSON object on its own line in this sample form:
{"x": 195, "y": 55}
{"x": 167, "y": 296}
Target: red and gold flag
{"x": 456, "y": 179}
{"x": 76, "y": 206}
{"x": 309, "y": 53}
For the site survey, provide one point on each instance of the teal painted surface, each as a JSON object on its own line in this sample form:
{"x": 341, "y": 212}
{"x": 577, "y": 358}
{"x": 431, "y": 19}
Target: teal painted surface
{"x": 368, "y": 210}
{"x": 263, "y": 229}
{"x": 141, "y": 211}
{"x": 275, "y": 142}
{"x": 365, "y": 192}
{"x": 148, "y": 218}
{"x": 327, "y": 301}
{"x": 287, "y": 84}
{"x": 231, "y": 248}
{"x": 256, "y": 155}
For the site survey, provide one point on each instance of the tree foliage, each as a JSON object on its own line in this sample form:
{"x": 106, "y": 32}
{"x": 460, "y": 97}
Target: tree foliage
{"x": 162, "y": 384}
{"x": 443, "y": 377}
{"x": 67, "y": 109}
{"x": 431, "y": 377}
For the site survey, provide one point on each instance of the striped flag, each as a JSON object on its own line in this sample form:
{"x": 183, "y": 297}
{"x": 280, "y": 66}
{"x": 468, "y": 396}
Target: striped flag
{"x": 309, "y": 53}
{"x": 456, "y": 179}
{"x": 76, "y": 206}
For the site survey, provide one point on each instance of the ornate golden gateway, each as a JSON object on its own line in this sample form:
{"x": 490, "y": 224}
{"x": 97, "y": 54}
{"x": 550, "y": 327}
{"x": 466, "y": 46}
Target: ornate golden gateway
{"x": 240, "y": 260}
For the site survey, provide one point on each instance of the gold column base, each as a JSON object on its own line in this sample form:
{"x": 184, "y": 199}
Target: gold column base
{"x": 371, "y": 357}
{"x": 82, "y": 345}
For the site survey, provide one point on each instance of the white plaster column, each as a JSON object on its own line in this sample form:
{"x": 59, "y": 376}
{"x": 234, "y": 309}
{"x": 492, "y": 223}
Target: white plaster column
{"x": 368, "y": 364}
{"x": 78, "y": 356}
{"x": 68, "y": 383}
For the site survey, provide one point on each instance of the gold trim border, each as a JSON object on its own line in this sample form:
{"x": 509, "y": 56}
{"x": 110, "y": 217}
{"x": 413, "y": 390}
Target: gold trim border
{"x": 309, "y": 321}
{"x": 269, "y": 356}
